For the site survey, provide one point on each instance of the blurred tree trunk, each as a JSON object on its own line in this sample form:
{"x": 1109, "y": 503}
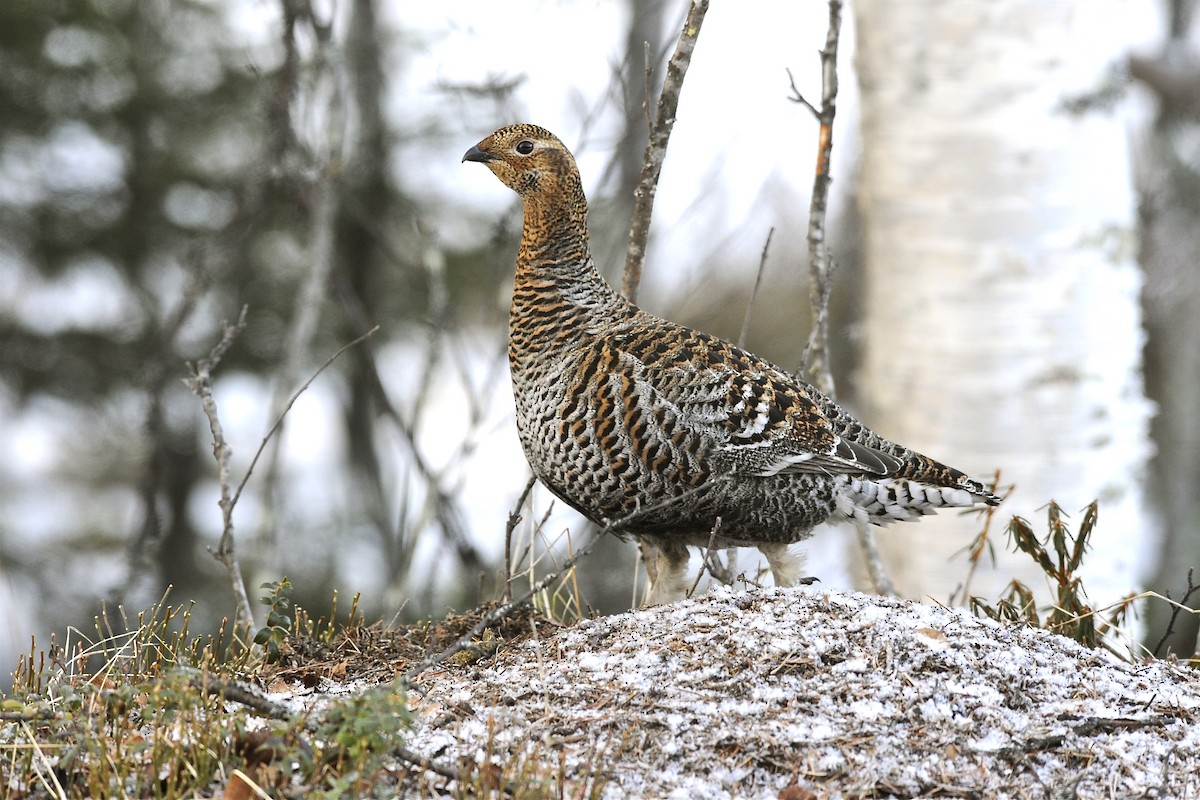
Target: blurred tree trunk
{"x": 1002, "y": 320}
{"x": 368, "y": 202}
{"x": 1169, "y": 183}
{"x": 614, "y": 207}
{"x": 172, "y": 468}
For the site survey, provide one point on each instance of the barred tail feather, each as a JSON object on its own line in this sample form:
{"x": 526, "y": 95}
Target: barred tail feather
{"x": 883, "y": 501}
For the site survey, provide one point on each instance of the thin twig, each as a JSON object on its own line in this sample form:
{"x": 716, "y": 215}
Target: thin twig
{"x": 797, "y": 97}
{"x": 242, "y": 694}
{"x": 724, "y": 571}
{"x": 815, "y": 363}
{"x": 538, "y": 528}
{"x": 447, "y": 508}
{"x": 1192, "y": 588}
{"x": 445, "y": 770}
{"x": 712, "y": 540}
{"x": 870, "y": 550}
{"x": 201, "y": 385}
{"x": 529, "y": 550}
{"x": 514, "y": 518}
{"x": 980, "y": 545}
{"x": 34, "y": 715}
{"x": 291, "y": 402}
{"x": 467, "y": 641}
{"x": 762, "y": 267}
{"x": 656, "y": 149}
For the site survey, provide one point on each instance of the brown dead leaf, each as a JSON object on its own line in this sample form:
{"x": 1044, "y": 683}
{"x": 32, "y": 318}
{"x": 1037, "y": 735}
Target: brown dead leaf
{"x": 241, "y": 786}
{"x": 795, "y": 792}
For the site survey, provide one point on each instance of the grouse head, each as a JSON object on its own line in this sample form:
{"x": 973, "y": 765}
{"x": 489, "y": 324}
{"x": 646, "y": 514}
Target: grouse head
{"x": 528, "y": 159}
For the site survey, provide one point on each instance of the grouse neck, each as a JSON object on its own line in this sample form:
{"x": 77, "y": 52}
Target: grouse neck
{"x": 554, "y": 237}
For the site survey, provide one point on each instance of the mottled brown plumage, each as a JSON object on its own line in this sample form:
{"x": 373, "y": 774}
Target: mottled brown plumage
{"x": 627, "y": 416}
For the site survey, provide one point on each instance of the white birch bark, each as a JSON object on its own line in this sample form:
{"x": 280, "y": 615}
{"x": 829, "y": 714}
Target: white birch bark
{"x": 1002, "y": 320}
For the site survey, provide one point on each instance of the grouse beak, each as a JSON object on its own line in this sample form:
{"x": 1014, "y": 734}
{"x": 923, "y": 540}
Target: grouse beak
{"x": 482, "y": 156}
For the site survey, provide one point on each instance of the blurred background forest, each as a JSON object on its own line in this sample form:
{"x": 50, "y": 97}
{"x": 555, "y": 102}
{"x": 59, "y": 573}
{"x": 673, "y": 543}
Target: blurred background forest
{"x": 165, "y": 163}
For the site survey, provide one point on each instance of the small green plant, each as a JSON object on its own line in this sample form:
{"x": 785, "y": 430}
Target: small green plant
{"x": 357, "y": 738}
{"x": 1059, "y": 555}
{"x": 272, "y": 636}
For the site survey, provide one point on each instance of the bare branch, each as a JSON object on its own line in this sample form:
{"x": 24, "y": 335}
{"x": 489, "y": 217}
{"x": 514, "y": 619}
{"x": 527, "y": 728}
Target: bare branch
{"x": 201, "y": 385}
{"x": 1192, "y": 589}
{"x": 816, "y": 352}
{"x": 1176, "y": 84}
{"x": 797, "y": 97}
{"x": 437, "y": 768}
{"x": 242, "y": 694}
{"x": 446, "y": 507}
{"x": 815, "y": 361}
{"x": 656, "y": 149}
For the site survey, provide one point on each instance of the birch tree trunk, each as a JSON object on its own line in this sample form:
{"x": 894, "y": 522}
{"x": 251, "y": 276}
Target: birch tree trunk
{"x": 1169, "y": 182}
{"x": 1001, "y": 312}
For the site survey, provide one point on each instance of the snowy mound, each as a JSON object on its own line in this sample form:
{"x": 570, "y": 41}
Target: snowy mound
{"x": 738, "y": 695}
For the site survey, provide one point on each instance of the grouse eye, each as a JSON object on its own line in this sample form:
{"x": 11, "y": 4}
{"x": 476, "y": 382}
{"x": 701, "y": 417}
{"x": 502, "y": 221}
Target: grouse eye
{"x": 525, "y": 147}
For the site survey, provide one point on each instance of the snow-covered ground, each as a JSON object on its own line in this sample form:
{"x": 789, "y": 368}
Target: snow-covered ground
{"x": 741, "y": 695}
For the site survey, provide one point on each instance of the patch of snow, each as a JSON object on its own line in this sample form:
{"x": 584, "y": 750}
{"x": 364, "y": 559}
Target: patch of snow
{"x": 867, "y": 709}
{"x": 738, "y": 695}
{"x": 992, "y": 741}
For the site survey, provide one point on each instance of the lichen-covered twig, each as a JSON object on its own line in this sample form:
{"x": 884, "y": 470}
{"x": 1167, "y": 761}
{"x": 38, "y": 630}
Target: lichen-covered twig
{"x": 815, "y": 364}
{"x": 201, "y": 385}
{"x": 656, "y": 149}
